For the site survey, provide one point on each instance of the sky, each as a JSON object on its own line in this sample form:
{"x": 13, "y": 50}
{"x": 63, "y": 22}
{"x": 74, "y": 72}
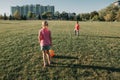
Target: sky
{"x": 70, "y": 6}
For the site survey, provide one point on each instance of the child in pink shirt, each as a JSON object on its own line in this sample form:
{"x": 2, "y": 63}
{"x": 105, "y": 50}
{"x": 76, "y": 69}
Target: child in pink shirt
{"x": 44, "y": 37}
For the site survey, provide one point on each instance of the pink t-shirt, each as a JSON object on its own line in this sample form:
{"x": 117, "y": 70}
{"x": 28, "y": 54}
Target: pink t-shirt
{"x": 45, "y": 37}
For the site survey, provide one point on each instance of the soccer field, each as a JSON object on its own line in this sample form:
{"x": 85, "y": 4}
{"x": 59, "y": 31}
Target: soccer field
{"x": 93, "y": 55}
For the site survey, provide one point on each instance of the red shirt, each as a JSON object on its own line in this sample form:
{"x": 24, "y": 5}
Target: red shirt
{"x": 77, "y": 27}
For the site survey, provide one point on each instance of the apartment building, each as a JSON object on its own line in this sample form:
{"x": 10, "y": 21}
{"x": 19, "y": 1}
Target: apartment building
{"x": 35, "y": 9}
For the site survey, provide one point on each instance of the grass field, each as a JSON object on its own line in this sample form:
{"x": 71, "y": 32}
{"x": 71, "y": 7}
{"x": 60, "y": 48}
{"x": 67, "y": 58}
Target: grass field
{"x": 94, "y": 55}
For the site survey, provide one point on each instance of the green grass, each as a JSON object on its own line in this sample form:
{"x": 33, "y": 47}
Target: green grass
{"x": 94, "y": 55}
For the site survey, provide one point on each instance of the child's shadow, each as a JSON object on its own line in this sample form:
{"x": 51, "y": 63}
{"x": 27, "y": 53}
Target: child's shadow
{"x": 60, "y": 64}
{"x": 65, "y": 57}
{"x": 113, "y": 69}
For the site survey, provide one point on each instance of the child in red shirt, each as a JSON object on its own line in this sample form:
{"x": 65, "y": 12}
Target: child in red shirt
{"x": 76, "y": 29}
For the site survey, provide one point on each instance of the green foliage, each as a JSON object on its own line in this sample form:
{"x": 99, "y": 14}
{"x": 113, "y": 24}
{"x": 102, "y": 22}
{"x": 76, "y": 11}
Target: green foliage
{"x": 39, "y": 17}
{"x": 31, "y": 15}
{"x": 57, "y": 14}
{"x": 95, "y": 18}
{"x": 47, "y": 15}
{"x": 110, "y": 13}
{"x": 5, "y": 17}
{"x": 118, "y": 16}
{"x": 93, "y": 14}
{"x": 94, "y": 55}
{"x": 64, "y": 15}
{"x": 10, "y": 17}
{"x": 85, "y": 16}
{"x": 44, "y": 16}
{"x": 17, "y": 15}
{"x": 1, "y": 17}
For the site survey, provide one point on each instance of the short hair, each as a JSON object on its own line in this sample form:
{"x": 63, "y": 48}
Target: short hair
{"x": 45, "y": 23}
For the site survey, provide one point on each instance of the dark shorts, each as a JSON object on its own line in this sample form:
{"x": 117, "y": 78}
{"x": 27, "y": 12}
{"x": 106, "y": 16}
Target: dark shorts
{"x": 45, "y": 48}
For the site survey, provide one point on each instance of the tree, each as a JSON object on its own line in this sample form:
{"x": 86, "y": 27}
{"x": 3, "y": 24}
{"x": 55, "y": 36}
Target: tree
{"x": 72, "y": 16}
{"x": 101, "y": 18}
{"x": 24, "y": 17}
{"x": 17, "y": 15}
{"x": 5, "y": 17}
{"x": 118, "y": 16}
{"x": 1, "y": 17}
{"x": 92, "y": 14}
{"x": 57, "y": 14}
{"x": 109, "y": 13}
{"x": 49, "y": 15}
{"x": 21, "y": 17}
{"x": 34, "y": 16}
{"x": 29, "y": 15}
{"x": 108, "y": 17}
{"x": 39, "y": 17}
{"x": 101, "y": 15}
{"x": 85, "y": 16}
{"x": 95, "y": 18}
{"x": 78, "y": 18}
{"x": 64, "y": 15}
{"x": 10, "y": 17}
{"x": 44, "y": 16}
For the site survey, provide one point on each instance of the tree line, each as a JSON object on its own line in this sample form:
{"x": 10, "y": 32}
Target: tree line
{"x": 110, "y": 13}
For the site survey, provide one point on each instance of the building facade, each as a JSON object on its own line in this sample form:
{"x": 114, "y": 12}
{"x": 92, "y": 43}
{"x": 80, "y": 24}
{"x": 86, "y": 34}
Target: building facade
{"x": 35, "y": 9}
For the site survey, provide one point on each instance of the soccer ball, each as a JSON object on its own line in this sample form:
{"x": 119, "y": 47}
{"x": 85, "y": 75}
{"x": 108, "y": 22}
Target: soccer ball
{"x": 52, "y": 54}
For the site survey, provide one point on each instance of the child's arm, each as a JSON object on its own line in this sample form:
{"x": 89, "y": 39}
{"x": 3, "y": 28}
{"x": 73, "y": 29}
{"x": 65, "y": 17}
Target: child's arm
{"x": 39, "y": 36}
{"x": 50, "y": 39}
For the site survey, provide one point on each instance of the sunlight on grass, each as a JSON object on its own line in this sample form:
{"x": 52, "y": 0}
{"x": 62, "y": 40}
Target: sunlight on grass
{"x": 95, "y": 54}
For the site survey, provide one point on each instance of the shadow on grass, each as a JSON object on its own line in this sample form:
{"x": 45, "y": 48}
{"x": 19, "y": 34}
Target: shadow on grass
{"x": 85, "y": 67}
{"x": 65, "y": 57}
{"x": 102, "y": 36}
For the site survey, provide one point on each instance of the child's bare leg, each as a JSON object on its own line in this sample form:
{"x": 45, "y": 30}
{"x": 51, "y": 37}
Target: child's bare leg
{"x": 78, "y": 33}
{"x": 44, "y": 56}
{"x": 48, "y": 56}
{"x": 75, "y": 32}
